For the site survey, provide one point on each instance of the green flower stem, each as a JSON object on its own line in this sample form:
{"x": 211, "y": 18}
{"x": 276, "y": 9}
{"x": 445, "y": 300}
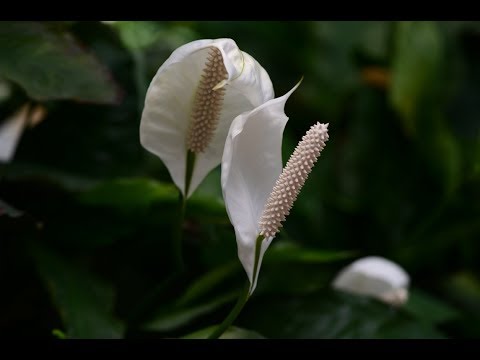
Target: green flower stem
{"x": 242, "y": 300}
{"x": 178, "y": 234}
{"x": 189, "y": 171}
{"x": 258, "y": 247}
{"x": 182, "y": 204}
{"x": 244, "y": 296}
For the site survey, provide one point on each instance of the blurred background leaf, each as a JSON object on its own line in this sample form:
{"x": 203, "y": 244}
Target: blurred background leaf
{"x": 329, "y": 315}
{"x": 51, "y": 64}
{"x": 429, "y": 309}
{"x": 416, "y": 62}
{"x": 84, "y": 302}
{"x": 233, "y": 332}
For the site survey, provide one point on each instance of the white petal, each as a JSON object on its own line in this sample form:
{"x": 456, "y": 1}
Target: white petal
{"x": 265, "y": 244}
{"x": 376, "y": 277}
{"x": 169, "y": 99}
{"x": 10, "y": 132}
{"x": 251, "y": 163}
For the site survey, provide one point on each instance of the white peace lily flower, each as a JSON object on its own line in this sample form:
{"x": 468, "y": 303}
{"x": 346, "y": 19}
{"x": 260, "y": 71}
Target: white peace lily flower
{"x": 257, "y": 194}
{"x": 191, "y": 102}
{"x": 377, "y": 277}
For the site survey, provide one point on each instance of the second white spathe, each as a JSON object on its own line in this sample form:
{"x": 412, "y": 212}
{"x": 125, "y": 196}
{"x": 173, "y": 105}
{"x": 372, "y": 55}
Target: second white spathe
{"x": 251, "y": 163}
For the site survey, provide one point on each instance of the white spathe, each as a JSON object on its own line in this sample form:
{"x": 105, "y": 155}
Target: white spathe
{"x": 170, "y": 98}
{"x": 10, "y": 132}
{"x": 251, "y": 163}
{"x": 377, "y": 277}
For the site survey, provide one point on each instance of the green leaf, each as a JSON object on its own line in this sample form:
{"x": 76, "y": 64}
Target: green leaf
{"x": 330, "y": 315}
{"x": 21, "y": 172}
{"x": 59, "y": 334}
{"x": 232, "y": 332}
{"x": 172, "y": 319}
{"x": 137, "y": 34}
{"x": 445, "y": 157}
{"x": 129, "y": 193}
{"x": 207, "y": 209}
{"x": 374, "y": 38}
{"x": 139, "y": 194}
{"x": 207, "y": 204}
{"x": 404, "y": 328}
{"x": 285, "y": 251}
{"x": 418, "y": 55}
{"x": 292, "y": 278}
{"x": 141, "y": 35}
{"x": 51, "y": 65}
{"x": 464, "y": 288}
{"x": 333, "y": 64}
{"x": 426, "y": 308}
{"x": 85, "y": 303}
{"x": 291, "y": 269}
{"x": 207, "y": 282}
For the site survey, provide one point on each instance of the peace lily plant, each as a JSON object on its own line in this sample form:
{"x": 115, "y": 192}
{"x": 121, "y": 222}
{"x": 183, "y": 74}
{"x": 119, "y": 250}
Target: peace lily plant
{"x": 209, "y": 103}
{"x": 190, "y": 104}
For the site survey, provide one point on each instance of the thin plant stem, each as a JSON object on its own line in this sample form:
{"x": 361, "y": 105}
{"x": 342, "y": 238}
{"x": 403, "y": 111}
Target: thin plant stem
{"x": 178, "y": 233}
{"x": 244, "y": 296}
{"x": 242, "y": 300}
{"x": 189, "y": 172}
{"x": 182, "y": 204}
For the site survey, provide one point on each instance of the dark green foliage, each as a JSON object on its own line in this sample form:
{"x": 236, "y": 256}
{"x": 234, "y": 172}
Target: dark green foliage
{"x": 86, "y": 213}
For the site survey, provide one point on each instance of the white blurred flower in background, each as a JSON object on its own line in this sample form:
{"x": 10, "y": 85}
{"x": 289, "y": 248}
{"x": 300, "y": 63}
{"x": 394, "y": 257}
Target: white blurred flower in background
{"x": 376, "y": 277}
{"x": 11, "y": 129}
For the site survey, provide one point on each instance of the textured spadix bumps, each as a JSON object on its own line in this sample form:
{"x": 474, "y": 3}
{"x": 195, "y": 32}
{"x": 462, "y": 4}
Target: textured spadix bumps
{"x": 192, "y": 101}
{"x": 291, "y": 180}
{"x": 207, "y": 104}
{"x": 257, "y": 195}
